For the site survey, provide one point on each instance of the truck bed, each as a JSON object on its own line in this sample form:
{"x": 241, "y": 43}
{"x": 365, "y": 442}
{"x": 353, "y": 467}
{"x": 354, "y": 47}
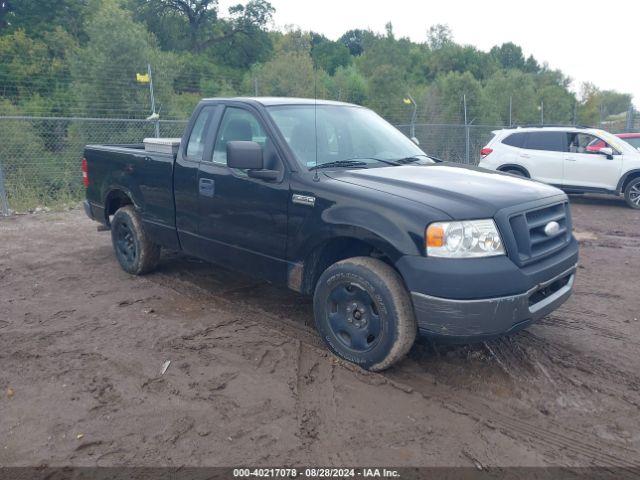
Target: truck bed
{"x": 146, "y": 177}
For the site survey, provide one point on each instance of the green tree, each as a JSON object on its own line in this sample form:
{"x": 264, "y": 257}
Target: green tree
{"x": 349, "y": 85}
{"x": 290, "y": 75}
{"x": 451, "y": 89}
{"x": 517, "y": 87}
{"x": 355, "y": 40}
{"x": 36, "y": 68}
{"x": 38, "y": 17}
{"x": 509, "y": 55}
{"x": 439, "y": 36}
{"x": 201, "y": 21}
{"x": 596, "y": 105}
{"x": 104, "y": 70}
{"x": 329, "y": 55}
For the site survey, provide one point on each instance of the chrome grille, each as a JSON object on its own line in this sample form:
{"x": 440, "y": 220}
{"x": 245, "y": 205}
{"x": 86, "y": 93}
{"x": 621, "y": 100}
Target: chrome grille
{"x": 528, "y": 229}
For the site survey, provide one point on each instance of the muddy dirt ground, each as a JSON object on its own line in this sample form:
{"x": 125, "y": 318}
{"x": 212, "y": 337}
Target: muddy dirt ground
{"x": 82, "y": 345}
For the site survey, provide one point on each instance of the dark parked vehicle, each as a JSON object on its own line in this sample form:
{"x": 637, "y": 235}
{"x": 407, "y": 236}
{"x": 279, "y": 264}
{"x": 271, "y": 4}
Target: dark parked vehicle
{"x": 334, "y": 202}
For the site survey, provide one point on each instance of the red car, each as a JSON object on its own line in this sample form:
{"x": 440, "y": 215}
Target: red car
{"x": 632, "y": 138}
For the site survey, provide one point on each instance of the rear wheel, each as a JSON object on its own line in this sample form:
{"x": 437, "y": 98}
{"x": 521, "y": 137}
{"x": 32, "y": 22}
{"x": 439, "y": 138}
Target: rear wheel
{"x": 632, "y": 193}
{"x": 135, "y": 252}
{"x": 363, "y": 312}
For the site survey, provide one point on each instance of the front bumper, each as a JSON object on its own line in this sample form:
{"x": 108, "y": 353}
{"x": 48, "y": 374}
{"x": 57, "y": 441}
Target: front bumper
{"x": 465, "y": 320}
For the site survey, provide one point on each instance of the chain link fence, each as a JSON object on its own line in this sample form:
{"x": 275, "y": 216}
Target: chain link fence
{"x": 40, "y": 156}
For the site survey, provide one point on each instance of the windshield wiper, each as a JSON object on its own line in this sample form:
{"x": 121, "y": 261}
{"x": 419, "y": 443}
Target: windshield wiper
{"x": 411, "y": 159}
{"x": 340, "y": 163}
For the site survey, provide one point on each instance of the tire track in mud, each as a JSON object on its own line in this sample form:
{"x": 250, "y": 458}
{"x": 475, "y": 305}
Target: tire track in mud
{"x": 580, "y": 319}
{"x": 575, "y": 444}
{"x": 316, "y": 404}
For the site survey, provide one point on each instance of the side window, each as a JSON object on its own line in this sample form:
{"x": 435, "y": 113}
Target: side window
{"x": 195, "y": 146}
{"x": 237, "y": 124}
{"x": 515, "y": 140}
{"x": 547, "y": 141}
{"x": 584, "y": 143}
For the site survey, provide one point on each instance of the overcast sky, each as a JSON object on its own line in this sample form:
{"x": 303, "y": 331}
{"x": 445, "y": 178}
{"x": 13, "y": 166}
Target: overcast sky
{"x": 589, "y": 41}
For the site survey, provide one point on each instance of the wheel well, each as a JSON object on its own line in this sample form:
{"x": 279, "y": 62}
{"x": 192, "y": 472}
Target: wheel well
{"x": 332, "y": 251}
{"x": 515, "y": 167}
{"x": 628, "y": 180}
{"x": 115, "y": 200}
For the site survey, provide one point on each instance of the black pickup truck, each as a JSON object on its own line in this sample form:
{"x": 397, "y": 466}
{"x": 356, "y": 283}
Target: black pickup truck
{"x": 332, "y": 201}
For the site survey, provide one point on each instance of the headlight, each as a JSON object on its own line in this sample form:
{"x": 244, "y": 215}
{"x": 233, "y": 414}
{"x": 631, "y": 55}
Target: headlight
{"x": 468, "y": 239}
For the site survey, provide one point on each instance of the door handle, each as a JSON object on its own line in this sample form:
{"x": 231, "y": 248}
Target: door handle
{"x": 525, "y": 155}
{"x": 206, "y": 187}
{"x": 569, "y": 159}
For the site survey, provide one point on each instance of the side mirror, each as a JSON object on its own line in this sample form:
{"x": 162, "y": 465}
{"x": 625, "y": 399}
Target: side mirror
{"x": 608, "y": 151}
{"x": 246, "y": 155}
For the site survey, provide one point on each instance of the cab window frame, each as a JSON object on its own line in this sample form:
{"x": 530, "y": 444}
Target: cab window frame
{"x": 213, "y": 112}
{"x": 209, "y": 158}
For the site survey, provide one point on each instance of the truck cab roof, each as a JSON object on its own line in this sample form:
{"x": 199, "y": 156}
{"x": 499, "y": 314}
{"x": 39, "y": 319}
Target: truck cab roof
{"x": 276, "y": 101}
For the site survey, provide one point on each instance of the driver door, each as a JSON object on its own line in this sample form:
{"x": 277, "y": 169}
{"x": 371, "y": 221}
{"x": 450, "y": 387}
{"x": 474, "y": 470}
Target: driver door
{"x": 591, "y": 169}
{"x": 243, "y": 220}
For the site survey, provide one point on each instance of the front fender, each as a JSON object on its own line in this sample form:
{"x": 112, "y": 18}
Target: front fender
{"x": 378, "y": 227}
{"x": 392, "y": 224}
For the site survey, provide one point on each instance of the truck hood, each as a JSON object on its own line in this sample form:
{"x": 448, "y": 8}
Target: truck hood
{"x": 460, "y": 191}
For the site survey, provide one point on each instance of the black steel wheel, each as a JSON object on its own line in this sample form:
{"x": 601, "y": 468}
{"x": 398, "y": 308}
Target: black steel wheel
{"x": 135, "y": 252}
{"x": 353, "y": 317}
{"x": 363, "y": 312}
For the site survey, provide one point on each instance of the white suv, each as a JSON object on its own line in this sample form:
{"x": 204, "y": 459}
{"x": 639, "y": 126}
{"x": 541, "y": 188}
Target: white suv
{"x": 561, "y": 156}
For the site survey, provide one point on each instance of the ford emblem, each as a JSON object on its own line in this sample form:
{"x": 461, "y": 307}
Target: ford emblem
{"x": 551, "y": 229}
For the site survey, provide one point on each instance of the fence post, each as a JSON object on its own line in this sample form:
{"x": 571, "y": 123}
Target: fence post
{"x": 467, "y": 146}
{"x": 414, "y": 115}
{"x": 4, "y": 204}
{"x": 630, "y": 115}
{"x": 153, "y": 101}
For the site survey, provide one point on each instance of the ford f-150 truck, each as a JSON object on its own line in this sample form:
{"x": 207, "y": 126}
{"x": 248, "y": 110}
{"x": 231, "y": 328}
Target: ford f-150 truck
{"x": 332, "y": 201}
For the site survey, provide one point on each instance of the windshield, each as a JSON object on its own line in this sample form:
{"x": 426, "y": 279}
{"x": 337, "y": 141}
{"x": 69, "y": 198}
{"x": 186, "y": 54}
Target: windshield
{"x": 348, "y": 136}
{"x": 633, "y": 141}
{"x": 611, "y": 139}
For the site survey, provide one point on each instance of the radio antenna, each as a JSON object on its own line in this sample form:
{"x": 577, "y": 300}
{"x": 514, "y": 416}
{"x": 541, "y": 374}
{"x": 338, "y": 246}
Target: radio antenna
{"x": 316, "y": 177}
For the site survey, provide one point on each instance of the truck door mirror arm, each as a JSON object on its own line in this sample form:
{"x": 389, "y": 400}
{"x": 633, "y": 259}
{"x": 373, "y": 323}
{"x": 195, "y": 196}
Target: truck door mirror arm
{"x": 268, "y": 175}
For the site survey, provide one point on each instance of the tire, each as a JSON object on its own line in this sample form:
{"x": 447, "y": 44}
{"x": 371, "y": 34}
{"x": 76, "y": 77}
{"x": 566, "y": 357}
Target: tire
{"x": 135, "y": 252}
{"x": 515, "y": 171}
{"x": 363, "y": 313}
{"x": 632, "y": 193}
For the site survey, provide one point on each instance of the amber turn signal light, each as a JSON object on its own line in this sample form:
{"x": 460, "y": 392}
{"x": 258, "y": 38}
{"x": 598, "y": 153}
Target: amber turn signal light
{"x": 434, "y": 236}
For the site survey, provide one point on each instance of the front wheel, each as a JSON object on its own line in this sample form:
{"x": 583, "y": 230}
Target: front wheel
{"x": 135, "y": 251}
{"x": 632, "y": 193}
{"x": 363, "y": 312}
